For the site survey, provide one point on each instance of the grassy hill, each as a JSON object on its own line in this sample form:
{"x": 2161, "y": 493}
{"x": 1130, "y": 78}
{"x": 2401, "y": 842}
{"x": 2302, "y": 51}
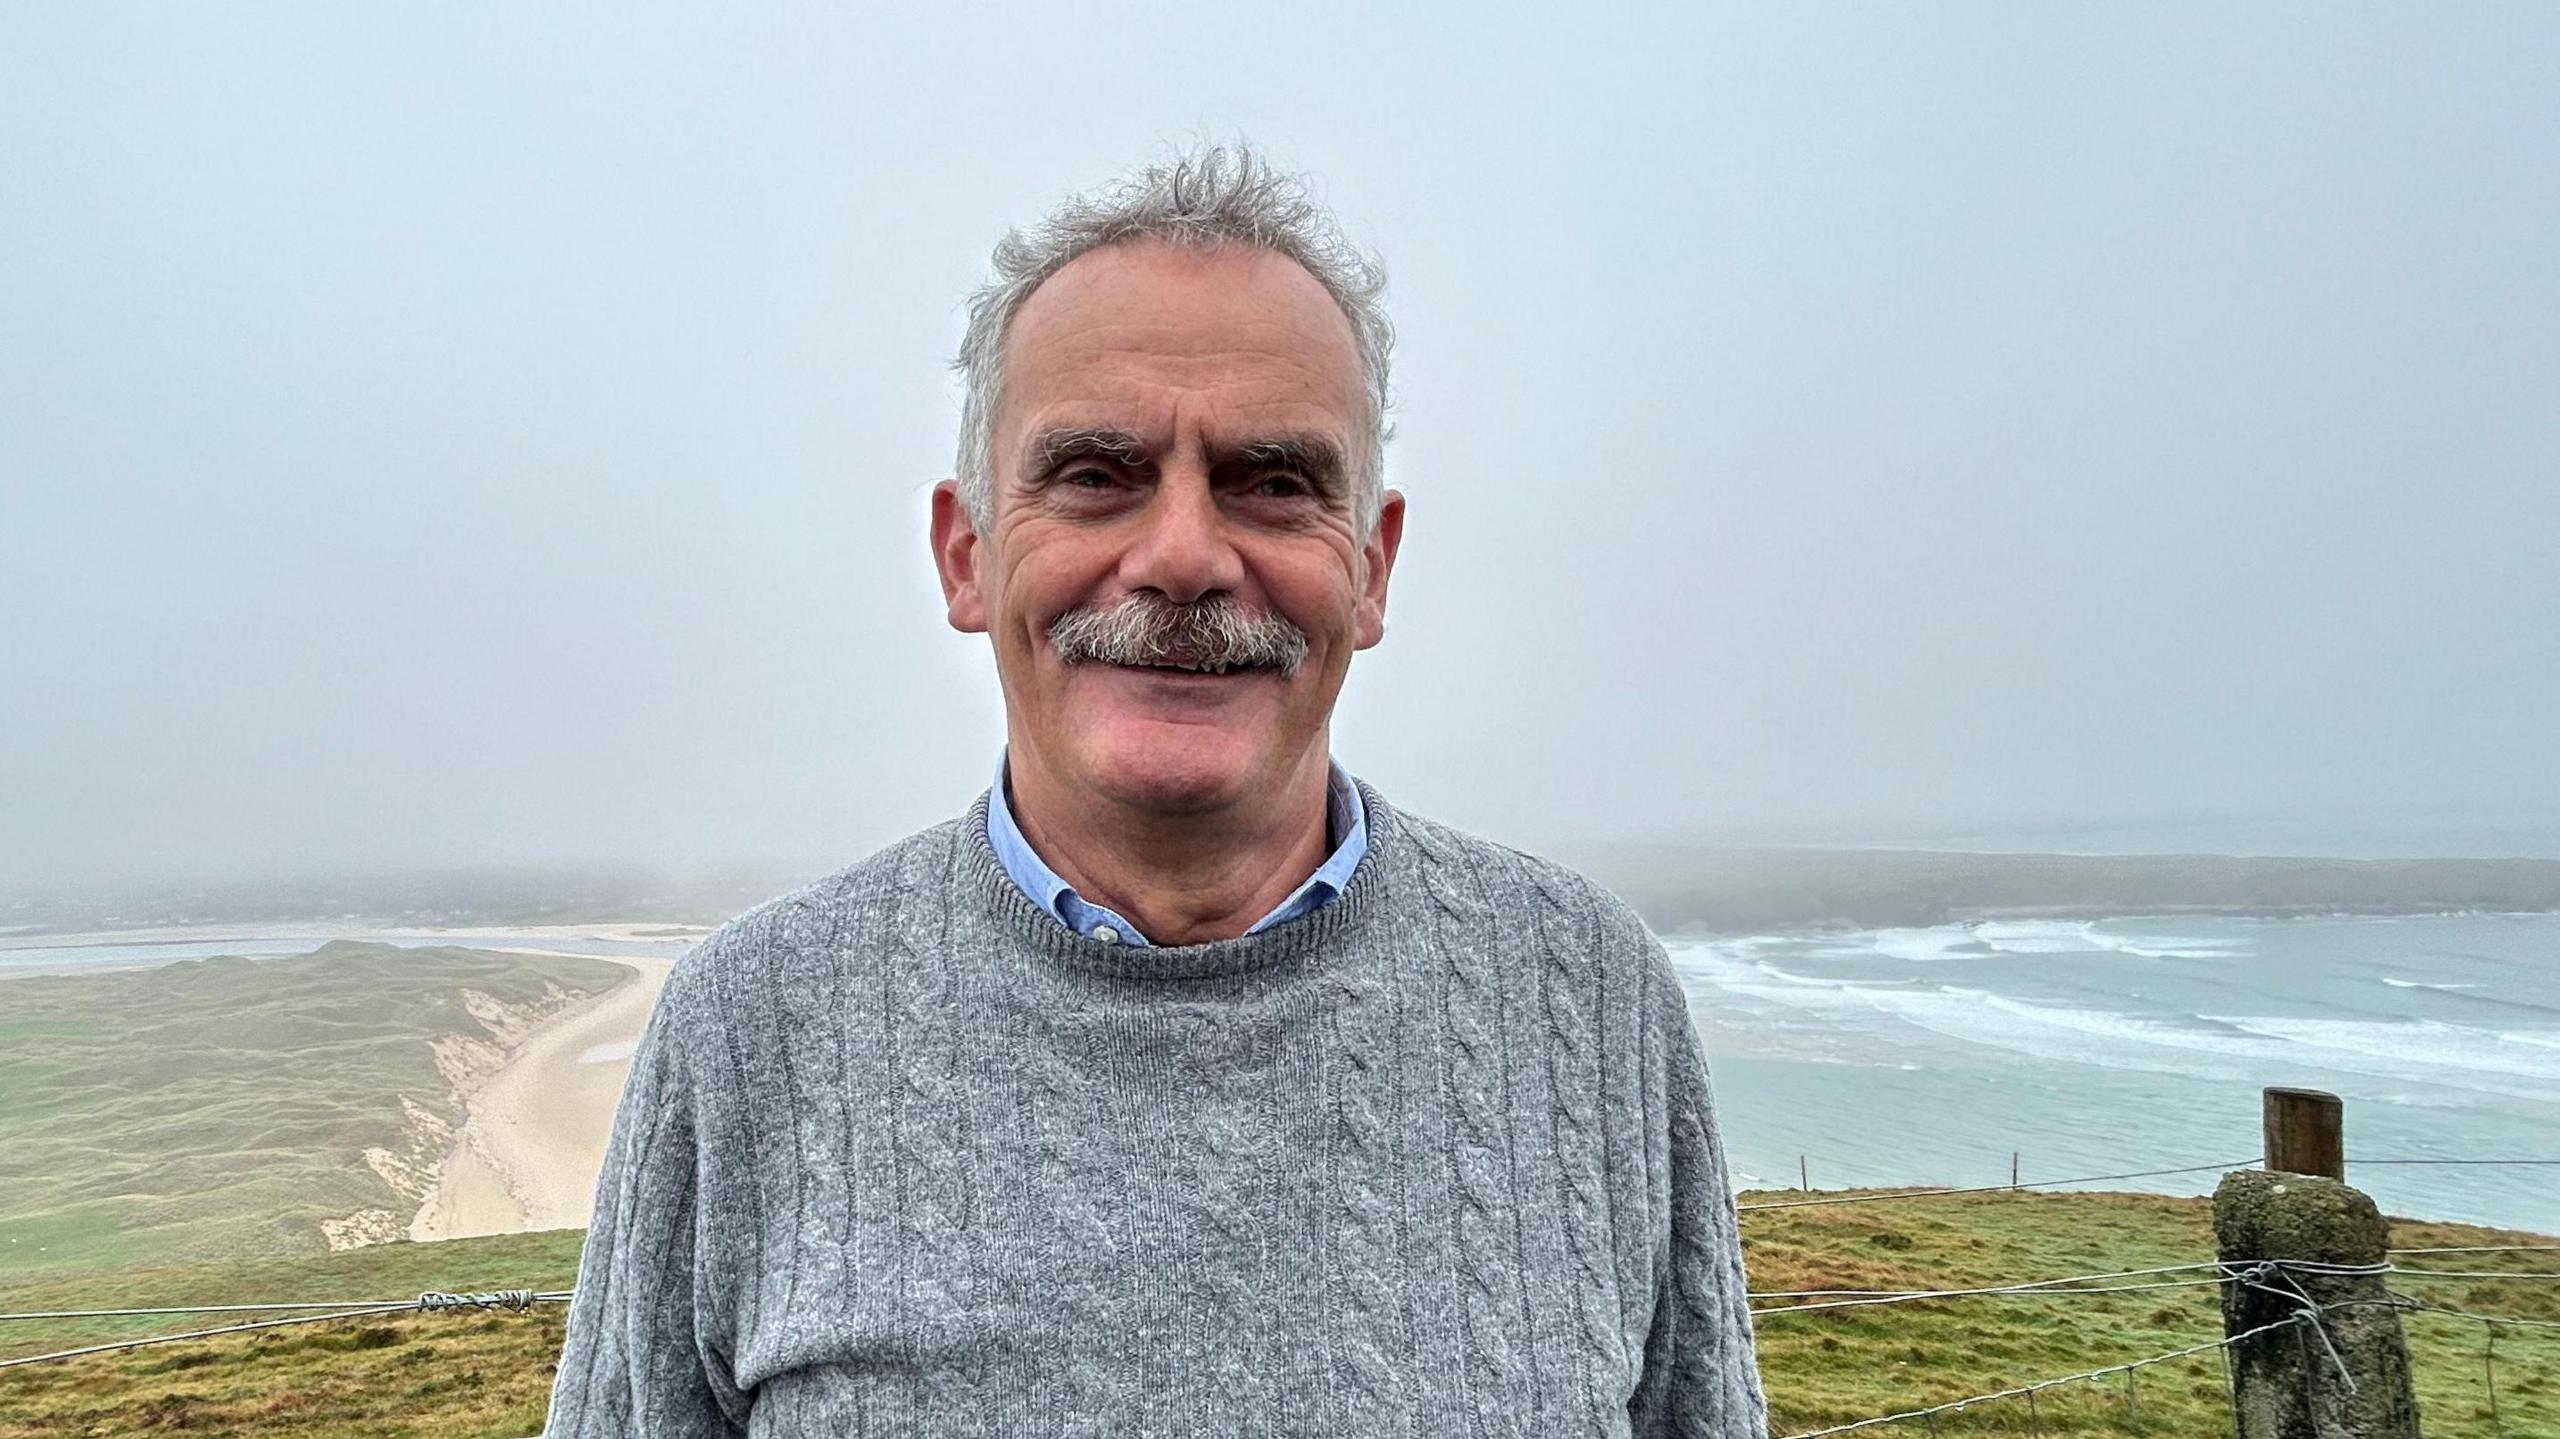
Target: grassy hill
{"x": 487, "y": 1375}
{"x": 226, "y": 1108}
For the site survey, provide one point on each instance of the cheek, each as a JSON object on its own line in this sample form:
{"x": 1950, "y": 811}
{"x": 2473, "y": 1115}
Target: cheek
{"x": 1314, "y": 582}
{"x": 1044, "y": 580}
{"x": 1324, "y": 601}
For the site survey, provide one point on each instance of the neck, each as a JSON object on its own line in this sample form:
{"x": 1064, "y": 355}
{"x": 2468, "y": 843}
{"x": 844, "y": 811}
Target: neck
{"x": 1181, "y": 878}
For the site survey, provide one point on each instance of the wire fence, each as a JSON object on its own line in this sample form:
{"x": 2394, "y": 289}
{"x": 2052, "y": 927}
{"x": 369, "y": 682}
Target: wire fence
{"x": 2261, "y": 1274}
{"x": 2272, "y": 1277}
{"x": 2224, "y": 1166}
{"x": 2029, "y": 1391}
{"x": 2309, "y": 1315}
{"x": 431, "y": 1301}
{"x": 1941, "y": 1193}
{"x": 2254, "y": 1273}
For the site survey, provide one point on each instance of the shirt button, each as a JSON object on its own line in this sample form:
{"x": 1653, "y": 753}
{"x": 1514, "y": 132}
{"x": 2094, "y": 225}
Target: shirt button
{"x": 1107, "y": 935}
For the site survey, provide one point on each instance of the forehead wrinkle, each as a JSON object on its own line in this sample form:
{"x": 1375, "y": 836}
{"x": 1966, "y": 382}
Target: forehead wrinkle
{"x": 1065, "y": 329}
{"x": 1230, "y": 359}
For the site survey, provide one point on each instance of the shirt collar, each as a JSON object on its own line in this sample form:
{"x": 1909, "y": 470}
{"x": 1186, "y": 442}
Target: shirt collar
{"x": 1346, "y": 822}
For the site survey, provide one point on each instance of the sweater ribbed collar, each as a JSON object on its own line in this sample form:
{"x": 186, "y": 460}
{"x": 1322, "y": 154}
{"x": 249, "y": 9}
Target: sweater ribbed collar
{"x": 982, "y": 876}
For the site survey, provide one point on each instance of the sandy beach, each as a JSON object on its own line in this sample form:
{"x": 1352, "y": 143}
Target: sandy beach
{"x": 532, "y": 1143}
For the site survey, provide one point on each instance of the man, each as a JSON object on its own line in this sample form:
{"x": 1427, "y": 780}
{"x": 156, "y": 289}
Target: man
{"x": 1183, "y": 1086}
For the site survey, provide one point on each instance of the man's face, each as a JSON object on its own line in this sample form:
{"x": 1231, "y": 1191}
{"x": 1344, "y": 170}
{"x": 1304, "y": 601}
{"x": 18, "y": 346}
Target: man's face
{"x": 1179, "y": 428}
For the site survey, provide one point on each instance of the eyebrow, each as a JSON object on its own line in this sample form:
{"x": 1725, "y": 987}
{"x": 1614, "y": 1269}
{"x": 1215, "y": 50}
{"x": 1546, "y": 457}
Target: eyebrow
{"x": 1311, "y": 455}
{"x": 1051, "y": 448}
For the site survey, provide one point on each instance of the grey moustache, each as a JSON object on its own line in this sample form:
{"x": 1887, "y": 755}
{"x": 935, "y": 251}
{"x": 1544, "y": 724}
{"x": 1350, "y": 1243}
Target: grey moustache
{"x": 1211, "y": 635}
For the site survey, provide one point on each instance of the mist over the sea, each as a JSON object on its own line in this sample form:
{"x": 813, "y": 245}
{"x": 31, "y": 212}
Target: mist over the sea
{"x": 435, "y": 437}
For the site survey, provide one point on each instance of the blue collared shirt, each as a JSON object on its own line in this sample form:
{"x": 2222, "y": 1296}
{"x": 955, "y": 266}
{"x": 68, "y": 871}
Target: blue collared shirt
{"x": 1345, "y": 816}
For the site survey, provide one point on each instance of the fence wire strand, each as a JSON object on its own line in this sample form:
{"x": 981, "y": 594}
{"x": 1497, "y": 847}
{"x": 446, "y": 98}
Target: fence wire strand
{"x": 1953, "y": 1406}
{"x": 431, "y": 1301}
{"x": 540, "y": 1296}
{"x": 2483, "y": 1249}
{"x": 1986, "y": 1188}
{"x": 2021, "y": 1284}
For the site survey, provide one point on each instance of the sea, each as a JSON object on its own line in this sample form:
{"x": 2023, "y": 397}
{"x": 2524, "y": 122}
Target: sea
{"x": 1947, "y": 1055}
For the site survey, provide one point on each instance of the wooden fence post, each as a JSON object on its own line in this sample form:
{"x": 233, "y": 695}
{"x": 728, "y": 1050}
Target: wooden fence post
{"x": 2305, "y": 1132}
{"x": 2336, "y": 1367}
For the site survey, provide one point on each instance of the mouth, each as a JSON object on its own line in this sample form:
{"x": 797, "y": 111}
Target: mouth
{"x": 1206, "y": 668}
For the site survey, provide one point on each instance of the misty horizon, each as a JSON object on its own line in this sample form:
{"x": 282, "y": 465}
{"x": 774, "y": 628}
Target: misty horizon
{"x": 434, "y": 441}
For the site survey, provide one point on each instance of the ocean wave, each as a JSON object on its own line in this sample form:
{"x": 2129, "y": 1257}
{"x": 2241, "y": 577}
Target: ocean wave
{"x": 2396, "y": 1048}
{"x": 2253, "y": 1048}
{"x": 1988, "y": 938}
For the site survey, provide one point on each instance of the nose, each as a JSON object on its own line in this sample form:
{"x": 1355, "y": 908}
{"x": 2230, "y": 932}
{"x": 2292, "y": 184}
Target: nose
{"x": 1183, "y": 549}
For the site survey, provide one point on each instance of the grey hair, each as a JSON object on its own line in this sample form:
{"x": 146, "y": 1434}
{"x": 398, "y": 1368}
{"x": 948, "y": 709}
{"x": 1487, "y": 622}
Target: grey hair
{"x": 1145, "y": 628}
{"x": 1207, "y": 196}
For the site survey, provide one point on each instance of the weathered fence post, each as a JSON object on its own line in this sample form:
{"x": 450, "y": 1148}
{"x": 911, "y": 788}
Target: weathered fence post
{"x": 2336, "y": 1367}
{"x": 2306, "y": 1132}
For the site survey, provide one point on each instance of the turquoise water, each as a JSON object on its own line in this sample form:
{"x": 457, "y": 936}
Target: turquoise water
{"x": 1930, "y": 1055}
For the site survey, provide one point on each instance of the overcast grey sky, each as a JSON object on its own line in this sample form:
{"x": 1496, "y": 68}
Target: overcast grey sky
{"x": 438, "y": 434}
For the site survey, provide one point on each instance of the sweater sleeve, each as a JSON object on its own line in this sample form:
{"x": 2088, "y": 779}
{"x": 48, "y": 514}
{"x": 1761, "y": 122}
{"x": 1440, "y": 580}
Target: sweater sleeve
{"x": 638, "y": 1358}
{"x": 1701, "y": 1376}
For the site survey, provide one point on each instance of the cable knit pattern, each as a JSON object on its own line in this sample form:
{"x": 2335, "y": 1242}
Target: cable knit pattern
{"x": 1073, "y": 1192}
{"x": 902, "y": 1155}
{"x": 1471, "y": 1010}
{"x": 930, "y": 1128}
{"x": 1708, "y": 1291}
{"x": 1365, "y": 1343}
{"x": 1570, "y": 994}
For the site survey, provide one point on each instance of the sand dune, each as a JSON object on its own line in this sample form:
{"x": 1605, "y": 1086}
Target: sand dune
{"x": 532, "y": 1143}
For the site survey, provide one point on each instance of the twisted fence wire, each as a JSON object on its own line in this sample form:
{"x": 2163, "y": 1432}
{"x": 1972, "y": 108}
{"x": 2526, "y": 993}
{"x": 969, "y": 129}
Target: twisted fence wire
{"x": 2495, "y": 1321}
{"x": 2251, "y": 1273}
{"x": 2475, "y": 1274}
{"x": 431, "y": 1301}
{"x": 1955, "y": 1406}
{"x": 2352, "y": 1163}
{"x": 1988, "y": 1188}
{"x": 2021, "y": 1291}
{"x": 422, "y": 1302}
{"x": 2307, "y": 1310}
{"x": 2021, "y": 1284}
{"x": 2483, "y": 1249}
{"x": 2249, "y": 1163}
{"x": 2262, "y": 1275}
{"x": 2224, "y": 1271}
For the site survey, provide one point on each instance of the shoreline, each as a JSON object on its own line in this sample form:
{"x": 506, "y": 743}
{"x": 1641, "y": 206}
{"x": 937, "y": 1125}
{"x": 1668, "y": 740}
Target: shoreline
{"x": 532, "y": 1139}
{"x": 2087, "y": 914}
{"x": 522, "y": 939}
{"x": 320, "y": 931}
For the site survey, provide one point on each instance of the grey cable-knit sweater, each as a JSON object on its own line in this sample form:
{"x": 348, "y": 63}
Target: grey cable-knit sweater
{"x": 900, "y": 1155}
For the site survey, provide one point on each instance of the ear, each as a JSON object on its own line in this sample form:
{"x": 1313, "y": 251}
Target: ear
{"x": 957, "y": 558}
{"x": 1377, "y": 562}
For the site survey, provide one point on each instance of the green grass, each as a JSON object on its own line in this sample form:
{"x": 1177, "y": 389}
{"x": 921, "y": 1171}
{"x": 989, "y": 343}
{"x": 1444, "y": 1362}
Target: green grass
{"x": 1835, "y": 1366}
{"x": 487, "y": 1375}
{"x": 222, "y": 1107}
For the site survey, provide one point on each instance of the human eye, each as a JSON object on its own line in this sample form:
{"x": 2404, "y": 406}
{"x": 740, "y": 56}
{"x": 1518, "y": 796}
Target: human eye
{"x": 1281, "y": 485}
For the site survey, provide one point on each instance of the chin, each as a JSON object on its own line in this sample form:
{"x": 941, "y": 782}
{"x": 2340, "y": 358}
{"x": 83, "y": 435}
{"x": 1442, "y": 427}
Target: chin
{"x": 1174, "y": 769}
